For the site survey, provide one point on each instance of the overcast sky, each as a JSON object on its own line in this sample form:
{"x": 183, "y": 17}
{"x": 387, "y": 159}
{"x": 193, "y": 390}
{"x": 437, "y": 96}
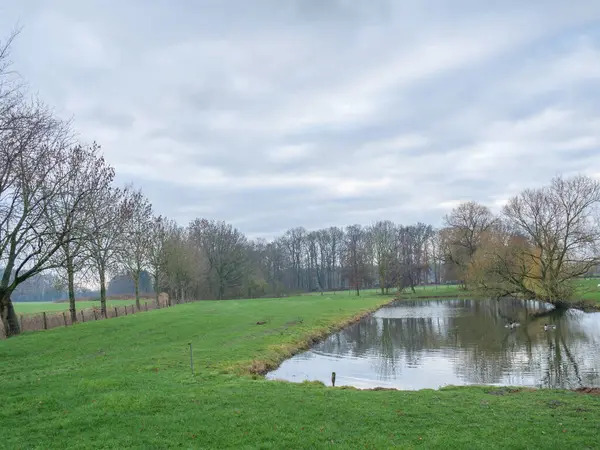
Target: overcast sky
{"x": 271, "y": 114}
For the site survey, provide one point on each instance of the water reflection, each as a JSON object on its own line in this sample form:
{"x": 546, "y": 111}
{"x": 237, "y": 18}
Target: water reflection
{"x": 415, "y": 345}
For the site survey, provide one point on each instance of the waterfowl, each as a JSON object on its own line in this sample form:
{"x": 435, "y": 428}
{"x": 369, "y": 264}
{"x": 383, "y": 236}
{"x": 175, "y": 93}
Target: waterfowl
{"x": 549, "y": 327}
{"x": 512, "y": 324}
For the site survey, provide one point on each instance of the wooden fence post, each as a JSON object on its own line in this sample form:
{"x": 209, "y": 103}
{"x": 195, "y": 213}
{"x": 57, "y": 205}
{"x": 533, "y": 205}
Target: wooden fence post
{"x": 125, "y": 309}
{"x": 146, "y": 306}
{"x": 116, "y": 312}
{"x": 82, "y": 317}
{"x": 45, "y": 320}
{"x": 95, "y": 316}
{"x": 65, "y": 318}
{"x": 21, "y": 322}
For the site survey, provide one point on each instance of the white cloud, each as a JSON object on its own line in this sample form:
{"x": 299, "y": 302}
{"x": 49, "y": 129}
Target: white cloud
{"x": 288, "y": 153}
{"x": 274, "y": 116}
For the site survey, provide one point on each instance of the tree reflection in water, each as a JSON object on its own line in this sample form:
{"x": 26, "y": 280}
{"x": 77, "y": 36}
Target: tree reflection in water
{"x": 427, "y": 344}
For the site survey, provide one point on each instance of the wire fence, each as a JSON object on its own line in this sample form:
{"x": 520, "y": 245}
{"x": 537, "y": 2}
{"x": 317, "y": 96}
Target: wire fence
{"x": 48, "y": 320}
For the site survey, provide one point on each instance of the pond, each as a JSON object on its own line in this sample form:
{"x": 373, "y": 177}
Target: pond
{"x": 429, "y": 344}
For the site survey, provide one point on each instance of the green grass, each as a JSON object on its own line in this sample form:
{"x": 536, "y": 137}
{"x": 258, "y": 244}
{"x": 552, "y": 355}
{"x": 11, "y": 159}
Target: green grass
{"x": 126, "y": 383}
{"x": 588, "y": 290}
{"x": 40, "y": 307}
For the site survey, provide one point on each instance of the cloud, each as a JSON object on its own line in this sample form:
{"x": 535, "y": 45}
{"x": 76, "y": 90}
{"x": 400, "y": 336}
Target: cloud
{"x": 274, "y": 114}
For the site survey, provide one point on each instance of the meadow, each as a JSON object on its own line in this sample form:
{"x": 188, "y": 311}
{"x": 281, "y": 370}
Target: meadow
{"x": 127, "y": 383}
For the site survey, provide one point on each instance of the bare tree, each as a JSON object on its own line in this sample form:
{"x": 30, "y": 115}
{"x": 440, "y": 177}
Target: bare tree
{"x": 224, "y": 248}
{"x": 178, "y": 275}
{"x": 465, "y": 226}
{"x": 436, "y": 255}
{"x": 383, "y": 237}
{"x": 11, "y": 88}
{"x": 86, "y": 174}
{"x": 134, "y": 252}
{"x": 32, "y": 146}
{"x": 412, "y": 264}
{"x": 160, "y": 230}
{"x": 103, "y": 245}
{"x": 295, "y": 240}
{"x": 560, "y": 227}
{"x": 356, "y": 256}
{"x": 336, "y": 252}
{"x": 316, "y": 255}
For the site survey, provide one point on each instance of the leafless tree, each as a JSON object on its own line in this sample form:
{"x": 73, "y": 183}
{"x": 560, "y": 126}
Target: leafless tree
{"x": 256, "y": 271}
{"x": 185, "y": 266}
{"x": 224, "y": 249}
{"x": 32, "y": 146}
{"x": 86, "y": 174}
{"x": 436, "y": 255}
{"x": 560, "y": 224}
{"x": 383, "y": 237}
{"x": 160, "y": 230}
{"x": 356, "y": 256}
{"x": 316, "y": 256}
{"x": 295, "y": 240}
{"x": 103, "y": 245}
{"x": 465, "y": 226}
{"x": 336, "y": 251}
{"x": 11, "y": 88}
{"x": 136, "y": 239}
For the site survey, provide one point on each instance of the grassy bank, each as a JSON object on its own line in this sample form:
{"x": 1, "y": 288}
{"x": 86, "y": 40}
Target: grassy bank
{"x": 126, "y": 383}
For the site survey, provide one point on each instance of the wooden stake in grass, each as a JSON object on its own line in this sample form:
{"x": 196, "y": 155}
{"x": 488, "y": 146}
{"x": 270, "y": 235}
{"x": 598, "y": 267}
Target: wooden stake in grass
{"x": 333, "y": 379}
{"x": 45, "y": 320}
{"x": 65, "y": 319}
{"x": 191, "y": 358}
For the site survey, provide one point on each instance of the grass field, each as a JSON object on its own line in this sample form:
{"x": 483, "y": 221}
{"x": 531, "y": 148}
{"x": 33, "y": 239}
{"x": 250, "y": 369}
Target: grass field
{"x": 589, "y": 289}
{"x": 40, "y": 307}
{"x": 126, "y": 383}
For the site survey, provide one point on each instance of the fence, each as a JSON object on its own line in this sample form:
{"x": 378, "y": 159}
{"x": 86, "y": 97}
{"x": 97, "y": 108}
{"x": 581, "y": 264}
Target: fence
{"x": 48, "y": 320}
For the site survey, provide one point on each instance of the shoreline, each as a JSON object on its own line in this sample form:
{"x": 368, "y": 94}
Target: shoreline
{"x": 260, "y": 367}
{"x": 582, "y": 305}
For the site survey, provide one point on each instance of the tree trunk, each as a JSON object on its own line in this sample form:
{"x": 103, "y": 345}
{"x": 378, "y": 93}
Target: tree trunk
{"x": 156, "y": 289}
{"x": 8, "y": 315}
{"x": 71, "y": 282}
{"x": 136, "y": 283}
{"x": 103, "y": 292}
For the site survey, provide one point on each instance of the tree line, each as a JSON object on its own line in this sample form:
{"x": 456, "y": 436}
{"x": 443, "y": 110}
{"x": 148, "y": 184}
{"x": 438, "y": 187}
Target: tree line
{"x": 61, "y": 213}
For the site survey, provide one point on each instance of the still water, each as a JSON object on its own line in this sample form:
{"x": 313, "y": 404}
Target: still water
{"x": 429, "y": 344}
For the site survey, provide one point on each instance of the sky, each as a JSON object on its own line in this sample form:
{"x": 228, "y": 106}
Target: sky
{"x": 272, "y": 114}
